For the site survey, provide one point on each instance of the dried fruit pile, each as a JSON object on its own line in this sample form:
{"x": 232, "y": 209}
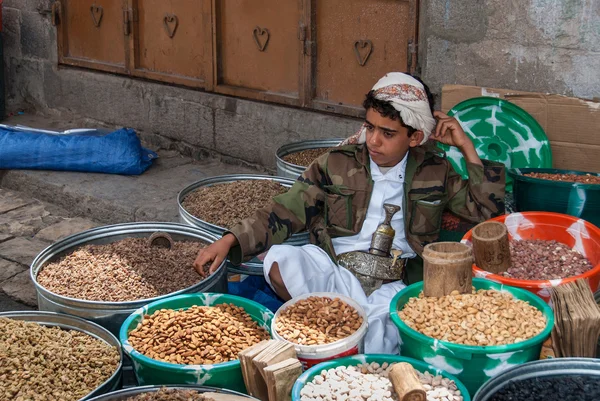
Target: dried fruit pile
{"x": 483, "y": 318}
{"x": 126, "y": 270}
{"x": 560, "y": 388}
{"x": 224, "y": 205}
{"x": 197, "y": 336}
{"x": 305, "y": 157}
{"x": 47, "y": 363}
{"x": 583, "y": 179}
{"x": 370, "y": 381}
{"x": 165, "y": 394}
{"x": 317, "y": 320}
{"x": 545, "y": 260}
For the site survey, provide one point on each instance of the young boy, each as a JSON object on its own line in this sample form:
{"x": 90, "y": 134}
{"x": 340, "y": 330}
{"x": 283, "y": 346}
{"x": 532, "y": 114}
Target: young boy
{"x": 339, "y": 200}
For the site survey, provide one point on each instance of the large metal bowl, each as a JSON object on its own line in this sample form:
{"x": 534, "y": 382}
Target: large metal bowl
{"x": 122, "y": 395}
{"x": 112, "y": 314}
{"x": 51, "y": 319}
{"x": 255, "y": 265}
{"x": 289, "y": 170}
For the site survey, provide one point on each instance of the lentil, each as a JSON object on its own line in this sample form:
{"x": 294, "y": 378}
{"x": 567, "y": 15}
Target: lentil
{"x": 317, "y": 320}
{"x": 224, "y": 205}
{"x": 545, "y": 260}
{"x": 47, "y": 363}
{"x": 369, "y": 381}
{"x": 305, "y": 157}
{"x": 483, "y": 318}
{"x": 197, "y": 336}
{"x": 165, "y": 394}
{"x": 125, "y": 270}
{"x": 562, "y": 388}
{"x": 580, "y": 178}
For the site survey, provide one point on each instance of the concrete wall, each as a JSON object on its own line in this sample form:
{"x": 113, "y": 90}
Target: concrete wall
{"x": 534, "y": 45}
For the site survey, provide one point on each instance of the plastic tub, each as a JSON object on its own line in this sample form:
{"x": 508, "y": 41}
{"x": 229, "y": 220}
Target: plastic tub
{"x": 559, "y": 367}
{"x": 473, "y": 365}
{"x": 576, "y": 233}
{"x": 122, "y": 395}
{"x": 369, "y": 358}
{"x": 575, "y": 199}
{"x": 311, "y": 355}
{"x": 224, "y": 375}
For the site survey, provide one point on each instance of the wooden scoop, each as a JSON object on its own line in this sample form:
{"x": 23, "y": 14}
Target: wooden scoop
{"x": 406, "y": 384}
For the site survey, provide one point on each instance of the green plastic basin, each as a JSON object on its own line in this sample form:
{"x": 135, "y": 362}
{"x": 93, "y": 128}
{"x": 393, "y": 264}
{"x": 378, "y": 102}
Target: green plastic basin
{"x": 227, "y": 375}
{"x": 537, "y": 195}
{"x": 473, "y": 365}
{"x": 354, "y": 360}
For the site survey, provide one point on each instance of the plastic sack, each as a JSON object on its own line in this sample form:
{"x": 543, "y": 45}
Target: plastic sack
{"x": 118, "y": 152}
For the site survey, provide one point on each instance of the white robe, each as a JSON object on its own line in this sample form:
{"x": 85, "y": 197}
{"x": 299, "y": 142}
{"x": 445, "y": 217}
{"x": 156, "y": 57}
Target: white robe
{"x": 309, "y": 269}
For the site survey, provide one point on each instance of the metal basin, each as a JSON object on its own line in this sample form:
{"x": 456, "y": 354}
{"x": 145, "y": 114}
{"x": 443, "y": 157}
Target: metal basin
{"x": 122, "y": 395}
{"x": 289, "y": 170}
{"x": 50, "y": 319}
{"x": 112, "y": 314}
{"x": 255, "y": 265}
{"x": 559, "y": 367}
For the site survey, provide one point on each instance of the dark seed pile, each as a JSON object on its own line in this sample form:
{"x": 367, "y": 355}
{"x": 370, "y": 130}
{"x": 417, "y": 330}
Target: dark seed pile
{"x": 165, "y": 394}
{"x": 545, "y": 260}
{"x": 305, "y": 157}
{"x": 583, "y": 179}
{"x": 225, "y": 205}
{"x": 561, "y": 388}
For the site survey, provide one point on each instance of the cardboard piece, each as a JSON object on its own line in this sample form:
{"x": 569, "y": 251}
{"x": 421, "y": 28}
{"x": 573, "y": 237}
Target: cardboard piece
{"x": 571, "y": 124}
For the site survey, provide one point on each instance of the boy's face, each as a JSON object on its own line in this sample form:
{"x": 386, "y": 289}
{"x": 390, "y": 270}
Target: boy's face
{"x": 387, "y": 140}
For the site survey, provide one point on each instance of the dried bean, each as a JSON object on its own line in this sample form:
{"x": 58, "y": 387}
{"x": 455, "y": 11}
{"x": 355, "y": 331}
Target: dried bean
{"x": 545, "y": 260}
{"x": 483, "y": 318}
{"x": 583, "y": 178}
{"x": 317, "y": 321}
{"x": 225, "y": 205}
{"x": 563, "y": 388}
{"x": 165, "y": 394}
{"x": 197, "y": 336}
{"x": 370, "y": 382}
{"x": 305, "y": 157}
{"x": 125, "y": 270}
{"x": 47, "y": 363}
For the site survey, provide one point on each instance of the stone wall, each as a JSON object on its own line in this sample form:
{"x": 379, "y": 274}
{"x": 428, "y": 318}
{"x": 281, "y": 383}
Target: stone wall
{"x": 533, "y": 45}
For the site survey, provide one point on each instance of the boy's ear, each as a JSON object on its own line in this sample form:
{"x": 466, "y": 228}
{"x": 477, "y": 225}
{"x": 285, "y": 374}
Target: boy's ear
{"x": 416, "y": 138}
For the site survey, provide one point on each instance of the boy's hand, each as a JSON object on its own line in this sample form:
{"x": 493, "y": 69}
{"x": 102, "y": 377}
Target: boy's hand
{"x": 215, "y": 253}
{"x": 449, "y": 132}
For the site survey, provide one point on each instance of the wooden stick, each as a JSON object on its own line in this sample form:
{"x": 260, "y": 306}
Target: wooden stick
{"x": 491, "y": 247}
{"x": 447, "y": 267}
{"x": 406, "y": 384}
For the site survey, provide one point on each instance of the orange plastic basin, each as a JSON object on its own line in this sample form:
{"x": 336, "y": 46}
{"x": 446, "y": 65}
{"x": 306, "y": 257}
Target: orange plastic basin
{"x": 569, "y": 230}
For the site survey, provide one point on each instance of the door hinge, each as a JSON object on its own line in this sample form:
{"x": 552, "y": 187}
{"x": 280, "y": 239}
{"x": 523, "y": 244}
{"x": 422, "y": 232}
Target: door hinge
{"x": 308, "y": 46}
{"x": 56, "y": 13}
{"x": 129, "y": 16}
{"x": 411, "y": 54}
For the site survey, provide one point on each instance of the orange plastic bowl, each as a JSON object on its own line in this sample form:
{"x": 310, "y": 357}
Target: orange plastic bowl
{"x": 569, "y": 230}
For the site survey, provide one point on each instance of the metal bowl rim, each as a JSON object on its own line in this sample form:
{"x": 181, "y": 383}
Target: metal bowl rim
{"x": 145, "y": 389}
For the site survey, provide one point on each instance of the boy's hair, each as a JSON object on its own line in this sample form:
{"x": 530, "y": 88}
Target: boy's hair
{"x": 387, "y": 110}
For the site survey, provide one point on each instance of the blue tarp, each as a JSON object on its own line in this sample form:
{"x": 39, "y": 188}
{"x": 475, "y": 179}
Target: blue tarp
{"x": 256, "y": 289}
{"x": 118, "y": 152}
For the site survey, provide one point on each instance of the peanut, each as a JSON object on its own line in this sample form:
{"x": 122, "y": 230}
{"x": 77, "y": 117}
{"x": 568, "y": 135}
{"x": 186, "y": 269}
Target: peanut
{"x": 317, "y": 321}
{"x": 483, "y": 318}
{"x": 197, "y": 336}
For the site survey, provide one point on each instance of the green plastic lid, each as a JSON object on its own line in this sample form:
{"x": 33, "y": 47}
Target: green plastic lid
{"x": 502, "y": 132}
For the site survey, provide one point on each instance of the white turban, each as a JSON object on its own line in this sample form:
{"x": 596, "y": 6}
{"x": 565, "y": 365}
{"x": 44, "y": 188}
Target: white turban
{"x": 408, "y": 96}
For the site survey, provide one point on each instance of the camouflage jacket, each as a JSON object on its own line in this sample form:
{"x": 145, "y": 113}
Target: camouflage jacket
{"x": 330, "y": 199}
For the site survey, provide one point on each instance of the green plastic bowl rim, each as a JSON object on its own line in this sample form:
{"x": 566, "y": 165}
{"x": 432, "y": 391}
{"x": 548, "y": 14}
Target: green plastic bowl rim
{"x": 379, "y": 358}
{"x": 492, "y": 349}
{"x": 518, "y": 174}
{"x": 212, "y": 298}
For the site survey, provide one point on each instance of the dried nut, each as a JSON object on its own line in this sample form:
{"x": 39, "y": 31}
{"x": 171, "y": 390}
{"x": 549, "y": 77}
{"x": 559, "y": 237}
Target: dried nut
{"x": 41, "y": 363}
{"x": 197, "y": 336}
{"x": 305, "y": 157}
{"x": 545, "y": 260}
{"x": 165, "y": 394}
{"x": 485, "y": 317}
{"x": 370, "y": 382}
{"x": 225, "y": 205}
{"x": 317, "y": 320}
{"x": 125, "y": 270}
{"x": 581, "y": 178}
